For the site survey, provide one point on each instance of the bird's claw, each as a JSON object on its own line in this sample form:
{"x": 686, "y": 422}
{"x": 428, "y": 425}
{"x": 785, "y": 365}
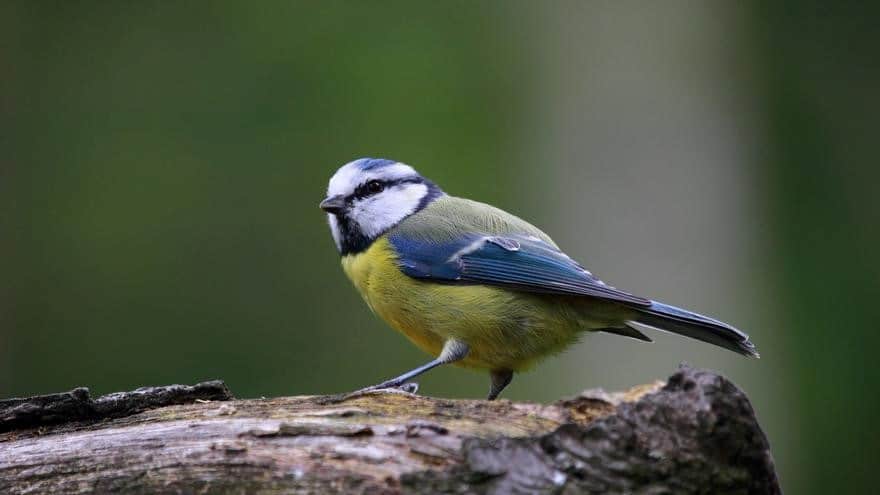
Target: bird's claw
{"x": 404, "y": 388}
{"x": 409, "y": 387}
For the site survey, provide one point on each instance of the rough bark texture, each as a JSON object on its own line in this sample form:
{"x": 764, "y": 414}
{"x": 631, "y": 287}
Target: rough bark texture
{"x": 697, "y": 433}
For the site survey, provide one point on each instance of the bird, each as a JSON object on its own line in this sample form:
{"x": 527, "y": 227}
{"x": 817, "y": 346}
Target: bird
{"x": 475, "y": 286}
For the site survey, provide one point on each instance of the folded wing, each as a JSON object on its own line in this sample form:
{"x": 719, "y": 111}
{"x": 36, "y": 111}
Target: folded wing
{"x": 517, "y": 261}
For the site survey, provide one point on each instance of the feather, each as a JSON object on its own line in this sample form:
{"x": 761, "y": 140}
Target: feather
{"x": 498, "y": 249}
{"x": 696, "y": 326}
{"x": 627, "y": 332}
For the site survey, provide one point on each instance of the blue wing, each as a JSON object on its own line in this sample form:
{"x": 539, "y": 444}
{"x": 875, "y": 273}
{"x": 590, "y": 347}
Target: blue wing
{"x": 520, "y": 262}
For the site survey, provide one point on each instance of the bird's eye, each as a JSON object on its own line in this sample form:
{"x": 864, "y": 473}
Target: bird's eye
{"x": 369, "y": 189}
{"x": 375, "y": 187}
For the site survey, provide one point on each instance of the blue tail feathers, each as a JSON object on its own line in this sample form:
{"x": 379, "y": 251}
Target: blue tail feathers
{"x": 696, "y": 326}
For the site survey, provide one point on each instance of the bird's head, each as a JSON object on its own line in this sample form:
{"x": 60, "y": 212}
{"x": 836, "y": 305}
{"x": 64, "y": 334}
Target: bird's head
{"x": 368, "y": 196}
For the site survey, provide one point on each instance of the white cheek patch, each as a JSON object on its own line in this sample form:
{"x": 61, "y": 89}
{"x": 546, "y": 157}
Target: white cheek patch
{"x": 376, "y": 214}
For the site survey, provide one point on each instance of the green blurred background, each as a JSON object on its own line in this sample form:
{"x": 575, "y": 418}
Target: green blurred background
{"x": 161, "y": 165}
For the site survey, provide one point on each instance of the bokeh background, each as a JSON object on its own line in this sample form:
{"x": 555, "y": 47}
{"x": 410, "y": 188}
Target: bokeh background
{"x": 161, "y": 165}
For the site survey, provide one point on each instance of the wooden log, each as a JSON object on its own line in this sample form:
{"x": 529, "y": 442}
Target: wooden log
{"x": 694, "y": 434}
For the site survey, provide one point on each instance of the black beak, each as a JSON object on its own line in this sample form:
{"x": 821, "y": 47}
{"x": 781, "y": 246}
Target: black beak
{"x": 333, "y": 205}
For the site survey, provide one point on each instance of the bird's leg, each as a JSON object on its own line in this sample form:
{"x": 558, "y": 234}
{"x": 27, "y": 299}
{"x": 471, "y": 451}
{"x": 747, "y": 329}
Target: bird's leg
{"x": 402, "y": 379}
{"x": 454, "y": 350}
{"x": 500, "y": 380}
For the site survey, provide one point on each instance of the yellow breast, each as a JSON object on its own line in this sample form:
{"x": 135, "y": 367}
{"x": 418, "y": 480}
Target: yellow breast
{"x": 505, "y": 329}
{"x": 384, "y": 288}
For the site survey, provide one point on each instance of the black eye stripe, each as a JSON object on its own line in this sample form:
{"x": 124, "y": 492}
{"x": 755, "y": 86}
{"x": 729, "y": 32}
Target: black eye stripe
{"x": 364, "y": 190}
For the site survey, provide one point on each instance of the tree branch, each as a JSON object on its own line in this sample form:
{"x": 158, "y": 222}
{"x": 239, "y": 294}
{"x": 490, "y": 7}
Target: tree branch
{"x": 696, "y": 433}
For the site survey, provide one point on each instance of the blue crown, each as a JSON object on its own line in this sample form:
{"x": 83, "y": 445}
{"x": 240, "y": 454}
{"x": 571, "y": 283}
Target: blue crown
{"x": 373, "y": 163}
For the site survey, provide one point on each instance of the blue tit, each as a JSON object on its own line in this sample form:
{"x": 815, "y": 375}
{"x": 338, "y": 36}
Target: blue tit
{"x": 475, "y": 286}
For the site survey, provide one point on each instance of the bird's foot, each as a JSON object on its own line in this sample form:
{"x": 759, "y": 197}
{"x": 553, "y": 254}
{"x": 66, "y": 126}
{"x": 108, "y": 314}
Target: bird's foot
{"x": 410, "y": 388}
{"x": 403, "y": 388}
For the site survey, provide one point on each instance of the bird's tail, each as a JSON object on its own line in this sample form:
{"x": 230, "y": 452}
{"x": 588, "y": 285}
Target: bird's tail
{"x": 676, "y": 320}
